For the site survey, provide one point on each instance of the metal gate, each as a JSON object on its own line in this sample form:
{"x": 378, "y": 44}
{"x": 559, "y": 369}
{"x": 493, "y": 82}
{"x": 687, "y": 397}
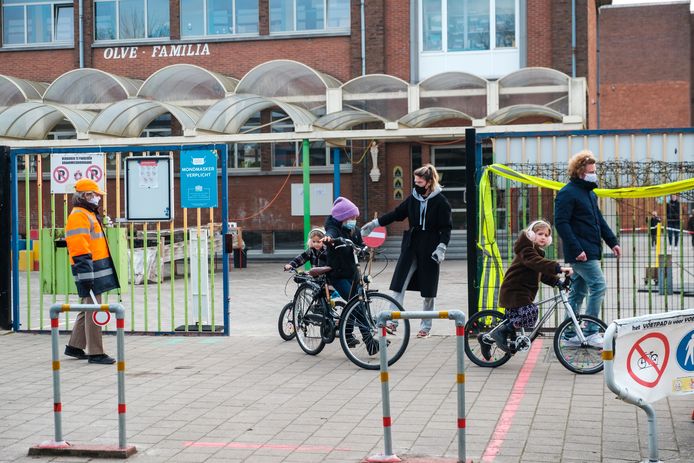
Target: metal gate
{"x": 173, "y": 275}
{"x": 654, "y": 273}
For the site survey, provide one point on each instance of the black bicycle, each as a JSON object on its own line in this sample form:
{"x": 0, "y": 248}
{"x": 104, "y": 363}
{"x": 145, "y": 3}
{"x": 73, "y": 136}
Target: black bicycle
{"x": 577, "y": 340}
{"x": 316, "y": 321}
{"x": 285, "y": 322}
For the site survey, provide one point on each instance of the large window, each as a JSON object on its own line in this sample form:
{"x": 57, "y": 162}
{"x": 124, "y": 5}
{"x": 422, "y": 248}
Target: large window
{"x": 131, "y": 19}
{"x": 30, "y": 22}
{"x": 308, "y": 15}
{"x": 218, "y": 17}
{"x": 470, "y": 25}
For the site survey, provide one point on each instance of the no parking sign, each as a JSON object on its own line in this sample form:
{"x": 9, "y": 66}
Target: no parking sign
{"x": 67, "y": 168}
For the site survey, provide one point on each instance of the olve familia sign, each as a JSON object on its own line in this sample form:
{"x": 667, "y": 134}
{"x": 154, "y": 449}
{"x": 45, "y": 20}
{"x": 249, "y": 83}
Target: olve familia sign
{"x": 654, "y": 355}
{"x": 198, "y": 178}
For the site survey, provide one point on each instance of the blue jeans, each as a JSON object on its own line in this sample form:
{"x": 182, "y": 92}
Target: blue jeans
{"x": 589, "y": 280}
{"x": 342, "y": 286}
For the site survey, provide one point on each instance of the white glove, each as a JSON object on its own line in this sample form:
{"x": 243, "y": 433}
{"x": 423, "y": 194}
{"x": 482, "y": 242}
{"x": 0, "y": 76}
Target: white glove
{"x": 369, "y": 227}
{"x": 439, "y": 254}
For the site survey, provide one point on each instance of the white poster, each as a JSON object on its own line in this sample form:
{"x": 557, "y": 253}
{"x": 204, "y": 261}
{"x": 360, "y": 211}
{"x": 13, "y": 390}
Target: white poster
{"x": 67, "y": 168}
{"x": 654, "y": 355}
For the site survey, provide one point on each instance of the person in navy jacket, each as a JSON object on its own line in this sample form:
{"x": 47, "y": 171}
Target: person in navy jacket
{"x": 582, "y": 228}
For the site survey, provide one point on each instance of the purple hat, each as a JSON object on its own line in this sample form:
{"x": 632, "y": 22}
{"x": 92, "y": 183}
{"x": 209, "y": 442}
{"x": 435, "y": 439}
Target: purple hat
{"x": 343, "y": 209}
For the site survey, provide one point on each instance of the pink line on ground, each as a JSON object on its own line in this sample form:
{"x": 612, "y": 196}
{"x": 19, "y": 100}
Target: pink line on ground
{"x": 512, "y": 404}
{"x": 255, "y": 446}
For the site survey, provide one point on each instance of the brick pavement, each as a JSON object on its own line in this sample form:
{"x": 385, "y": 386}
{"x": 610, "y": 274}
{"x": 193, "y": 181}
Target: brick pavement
{"x": 252, "y": 397}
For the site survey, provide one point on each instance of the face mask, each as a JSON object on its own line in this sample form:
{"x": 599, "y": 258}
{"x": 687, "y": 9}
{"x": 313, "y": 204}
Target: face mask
{"x": 593, "y": 178}
{"x": 421, "y": 190}
{"x": 94, "y": 200}
{"x": 350, "y": 224}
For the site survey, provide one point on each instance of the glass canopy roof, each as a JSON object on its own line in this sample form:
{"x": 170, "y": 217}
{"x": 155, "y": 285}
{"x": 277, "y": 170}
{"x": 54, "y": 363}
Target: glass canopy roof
{"x": 90, "y": 86}
{"x": 96, "y": 103}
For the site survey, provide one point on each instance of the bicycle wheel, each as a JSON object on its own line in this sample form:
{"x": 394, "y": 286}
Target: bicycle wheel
{"x": 358, "y": 331}
{"x": 476, "y": 328}
{"x": 285, "y": 322}
{"x": 581, "y": 359}
{"x": 308, "y": 319}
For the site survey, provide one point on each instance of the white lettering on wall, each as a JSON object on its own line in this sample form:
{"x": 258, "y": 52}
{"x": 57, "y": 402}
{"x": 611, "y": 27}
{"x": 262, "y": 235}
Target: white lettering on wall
{"x": 158, "y": 51}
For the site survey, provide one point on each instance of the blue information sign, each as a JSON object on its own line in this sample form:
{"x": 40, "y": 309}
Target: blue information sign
{"x": 198, "y": 178}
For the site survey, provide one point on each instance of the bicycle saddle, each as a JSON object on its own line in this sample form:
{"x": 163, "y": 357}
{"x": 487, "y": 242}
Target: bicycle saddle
{"x": 316, "y": 271}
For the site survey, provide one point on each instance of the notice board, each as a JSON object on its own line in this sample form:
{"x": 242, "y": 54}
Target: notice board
{"x": 149, "y": 189}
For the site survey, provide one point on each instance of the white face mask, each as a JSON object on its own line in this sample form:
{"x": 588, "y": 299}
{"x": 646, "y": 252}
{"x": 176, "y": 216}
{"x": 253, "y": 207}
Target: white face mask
{"x": 94, "y": 200}
{"x": 592, "y": 177}
{"x": 350, "y": 224}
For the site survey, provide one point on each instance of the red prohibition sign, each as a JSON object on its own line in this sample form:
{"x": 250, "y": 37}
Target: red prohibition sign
{"x": 61, "y": 174}
{"x": 643, "y": 355}
{"x": 94, "y": 172}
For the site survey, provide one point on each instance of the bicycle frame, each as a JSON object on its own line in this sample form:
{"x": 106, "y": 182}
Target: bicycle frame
{"x": 555, "y": 300}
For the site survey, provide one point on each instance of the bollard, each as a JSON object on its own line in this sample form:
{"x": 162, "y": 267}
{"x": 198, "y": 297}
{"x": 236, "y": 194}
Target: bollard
{"x": 388, "y": 456}
{"x": 59, "y": 446}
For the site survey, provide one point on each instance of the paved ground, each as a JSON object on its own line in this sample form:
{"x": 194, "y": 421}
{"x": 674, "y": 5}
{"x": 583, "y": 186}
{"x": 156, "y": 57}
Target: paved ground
{"x": 252, "y": 397}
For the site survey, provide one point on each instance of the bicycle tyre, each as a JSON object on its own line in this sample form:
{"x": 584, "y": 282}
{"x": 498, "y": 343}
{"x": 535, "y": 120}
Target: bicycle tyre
{"x": 308, "y": 319}
{"x": 583, "y": 360}
{"x": 365, "y": 354}
{"x": 285, "y": 322}
{"x": 477, "y": 326}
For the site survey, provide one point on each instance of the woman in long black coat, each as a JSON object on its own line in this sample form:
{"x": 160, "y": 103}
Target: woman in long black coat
{"x": 424, "y": 243}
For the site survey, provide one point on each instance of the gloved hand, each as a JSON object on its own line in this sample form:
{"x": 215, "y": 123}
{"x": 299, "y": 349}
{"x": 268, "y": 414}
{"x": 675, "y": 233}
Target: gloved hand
{"x": 439, "y": 254}
{"x": 369, "y": 227}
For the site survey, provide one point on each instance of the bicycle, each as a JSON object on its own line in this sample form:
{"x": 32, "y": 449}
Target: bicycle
{"x": 285, "y": 321}
{"x": 570, "y": 341}
{"x": 315, "y": 321}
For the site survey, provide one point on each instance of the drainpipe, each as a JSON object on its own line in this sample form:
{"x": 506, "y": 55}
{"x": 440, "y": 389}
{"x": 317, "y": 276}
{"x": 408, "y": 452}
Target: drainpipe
{"x": 414, "y": 42}
{"x": 597, "y": 68}
{"x": 363, "y": 40}
{"x": 573, "y": 38}
{"x": 81, "y": 32}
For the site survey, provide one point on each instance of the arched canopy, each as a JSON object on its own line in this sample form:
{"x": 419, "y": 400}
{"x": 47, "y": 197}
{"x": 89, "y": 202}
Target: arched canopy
{"x": 187, "y": 84}
{"x": 379, "y": 94}
{"x": 34, "y": 120}
{"x": 230, "y": 114}
{"x": 455, "y": 90}
{"x": 128, "y": 118}
{"x": 345, "y": 120}
{"x": 535, "y": 86}
{"x": 534, "y": 77}
{"x": 512, "y": 113}
{"x": 15, "y": 91}
{"x": 427, "y": 116}
{"x": 90, "y": 87}
{"x": 289, "y": 81}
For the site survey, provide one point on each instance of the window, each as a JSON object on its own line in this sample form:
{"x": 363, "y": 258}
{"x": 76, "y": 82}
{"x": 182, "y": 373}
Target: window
{"x": 131, "y": 19}
{"x": 29, "y": 22}
{"x": 309, "y": 15}
{"x": 471, "y": 25}
{"x": 218, "y": 17}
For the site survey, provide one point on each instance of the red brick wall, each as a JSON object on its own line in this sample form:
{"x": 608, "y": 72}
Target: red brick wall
{"x": 539, "y": 39}
{"x": 645, "y": 66}
{"x": 561, "y": 36}
{"x": 397, "y": 38}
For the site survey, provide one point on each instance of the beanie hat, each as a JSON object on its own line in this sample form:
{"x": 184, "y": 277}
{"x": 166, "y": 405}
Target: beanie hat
{"x": 343, "y": 209}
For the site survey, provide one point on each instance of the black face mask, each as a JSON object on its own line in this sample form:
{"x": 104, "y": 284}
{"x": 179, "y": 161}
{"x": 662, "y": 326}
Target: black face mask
{"x": 421, "y": 190}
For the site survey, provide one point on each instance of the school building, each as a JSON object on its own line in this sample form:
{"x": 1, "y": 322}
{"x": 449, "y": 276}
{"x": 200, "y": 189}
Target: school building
{"x": 415, "y": 73}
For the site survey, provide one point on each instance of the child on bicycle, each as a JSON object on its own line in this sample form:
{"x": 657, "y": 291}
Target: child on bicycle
{"x": 521, "y": 283}
{"x": 315, "y": 253}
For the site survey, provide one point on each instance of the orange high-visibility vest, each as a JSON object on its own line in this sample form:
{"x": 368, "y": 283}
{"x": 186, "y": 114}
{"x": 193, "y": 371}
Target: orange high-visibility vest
{"x": 91, "y": 261}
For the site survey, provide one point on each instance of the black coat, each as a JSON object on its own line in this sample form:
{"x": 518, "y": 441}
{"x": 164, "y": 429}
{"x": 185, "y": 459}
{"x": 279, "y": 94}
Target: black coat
{"x": 341, "y": 260}
{"x": 419, "y": 243}
{"x": 579, "y": 221}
